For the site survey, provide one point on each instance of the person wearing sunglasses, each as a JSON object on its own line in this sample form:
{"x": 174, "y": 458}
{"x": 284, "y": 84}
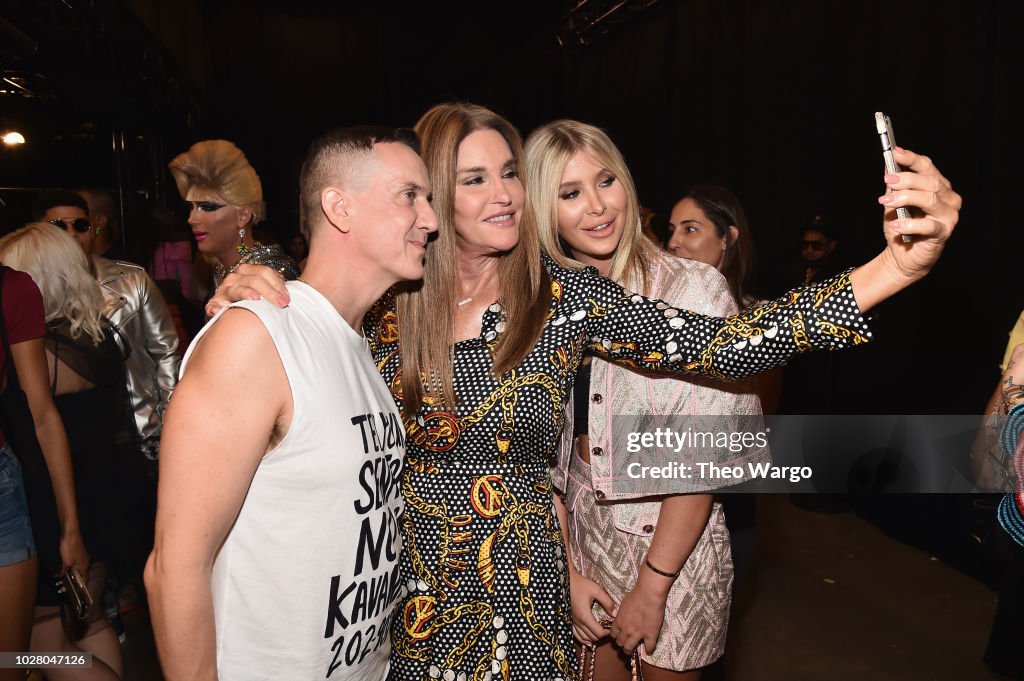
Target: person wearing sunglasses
{"x": 134, "y": 304}
{"x": 74, "y": 226}
{"x": 818, "y": 244}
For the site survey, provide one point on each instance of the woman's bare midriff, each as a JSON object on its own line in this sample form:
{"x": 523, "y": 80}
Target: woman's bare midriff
{"x": 583, "y": 448}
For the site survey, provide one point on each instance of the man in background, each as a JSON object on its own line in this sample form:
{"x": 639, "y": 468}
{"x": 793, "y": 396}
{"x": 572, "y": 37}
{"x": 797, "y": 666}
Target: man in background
{"x": 818, "y": 244}
{"x": 134, "y": 304}
{"x": 103, "y": 214}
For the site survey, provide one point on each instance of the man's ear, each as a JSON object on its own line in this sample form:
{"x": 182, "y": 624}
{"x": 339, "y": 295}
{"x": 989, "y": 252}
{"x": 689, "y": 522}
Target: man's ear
{"x": 336, "y": 205}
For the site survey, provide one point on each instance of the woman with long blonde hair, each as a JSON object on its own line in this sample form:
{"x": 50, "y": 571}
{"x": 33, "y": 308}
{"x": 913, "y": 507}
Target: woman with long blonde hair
{"x": 490, "y": 346}
{"x": 589, "y": 215}
{"x": 86, "y": 378}
{"x": 43, "y": 459}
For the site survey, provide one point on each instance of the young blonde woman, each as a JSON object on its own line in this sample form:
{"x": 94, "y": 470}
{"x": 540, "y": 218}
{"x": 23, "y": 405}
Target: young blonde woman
{"x": 86, "y": 378}
{"x": 490, "y": 345}
{"x": 23, "y": 361}
{"x": 660, "y": 564}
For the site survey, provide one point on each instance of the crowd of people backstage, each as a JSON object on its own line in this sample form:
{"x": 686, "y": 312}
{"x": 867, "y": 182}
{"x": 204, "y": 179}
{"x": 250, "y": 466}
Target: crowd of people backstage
{"x": 94, "y": 349}
{"x": 511, "y": 297}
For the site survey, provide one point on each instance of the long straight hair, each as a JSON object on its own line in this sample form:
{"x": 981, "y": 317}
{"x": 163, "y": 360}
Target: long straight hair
{"x": 724, "y": 209}
{"x": 549, "y": 149}
{"x": 426, "y": 310}
{"x": 59, "y": 268}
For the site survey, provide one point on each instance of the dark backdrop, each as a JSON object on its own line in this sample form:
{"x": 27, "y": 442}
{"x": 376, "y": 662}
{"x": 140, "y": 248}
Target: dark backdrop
{"x": 773, "y": 99}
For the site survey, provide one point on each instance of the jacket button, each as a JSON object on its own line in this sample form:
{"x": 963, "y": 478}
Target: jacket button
{"x": 648, "y": 529}
{"x": 599, "y": 494}
{"x": 597, "y": 398}
{"x": 597, "y": 451}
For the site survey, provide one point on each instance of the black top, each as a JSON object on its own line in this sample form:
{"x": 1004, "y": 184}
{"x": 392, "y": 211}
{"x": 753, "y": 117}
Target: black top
{"x": 581, "y": 401}
{"x": 114, "y": 497}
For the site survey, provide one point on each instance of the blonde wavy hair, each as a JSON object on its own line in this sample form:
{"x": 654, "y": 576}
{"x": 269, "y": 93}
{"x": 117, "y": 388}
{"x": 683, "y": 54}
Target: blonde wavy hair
{"x": 59, "y": 268}
{"x": 549, "y": 149}
{"x": 425, "y": 312}
{"x": 221, "y": 167}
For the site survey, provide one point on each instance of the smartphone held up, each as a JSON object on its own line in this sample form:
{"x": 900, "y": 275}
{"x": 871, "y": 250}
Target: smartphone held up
{"x": 883, "y": 125}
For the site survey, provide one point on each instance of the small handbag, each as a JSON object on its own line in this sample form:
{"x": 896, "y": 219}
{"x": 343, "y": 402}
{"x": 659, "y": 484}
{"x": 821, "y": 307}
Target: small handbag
{"x": 75, "y": 601}
{"x": 19, "y": 431}
{"x": 588, "y": 658}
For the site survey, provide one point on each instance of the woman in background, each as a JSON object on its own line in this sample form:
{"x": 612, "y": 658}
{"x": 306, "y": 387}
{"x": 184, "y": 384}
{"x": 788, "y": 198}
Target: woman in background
{"x": 86, "y": 376}
{"x": 710, "y": 226}
{"x": 298, "y": 248}
{"x": 24, "y": 326}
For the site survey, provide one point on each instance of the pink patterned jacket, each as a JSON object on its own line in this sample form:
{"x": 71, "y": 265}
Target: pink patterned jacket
{"x": 690, "y": 285}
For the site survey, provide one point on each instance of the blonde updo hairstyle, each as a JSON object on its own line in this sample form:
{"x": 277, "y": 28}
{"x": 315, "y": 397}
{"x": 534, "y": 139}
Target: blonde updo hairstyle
{"x": 221, "y": 167}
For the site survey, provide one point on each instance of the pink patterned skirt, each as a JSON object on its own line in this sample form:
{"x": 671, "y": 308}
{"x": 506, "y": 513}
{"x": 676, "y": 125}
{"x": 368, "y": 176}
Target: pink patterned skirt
{"x": 697, "y": 610}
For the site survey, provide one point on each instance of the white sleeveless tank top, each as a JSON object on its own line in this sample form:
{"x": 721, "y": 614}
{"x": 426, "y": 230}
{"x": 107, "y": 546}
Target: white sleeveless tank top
{"x": 305, "y": 581}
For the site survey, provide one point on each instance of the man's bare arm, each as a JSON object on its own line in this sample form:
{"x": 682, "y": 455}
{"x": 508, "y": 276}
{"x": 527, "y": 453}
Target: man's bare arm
{"x": 216, "y": 431}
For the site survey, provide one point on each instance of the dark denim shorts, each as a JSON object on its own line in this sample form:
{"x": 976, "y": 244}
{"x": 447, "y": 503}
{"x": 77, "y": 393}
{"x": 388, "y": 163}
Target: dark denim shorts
{"x": 16, "y": 542}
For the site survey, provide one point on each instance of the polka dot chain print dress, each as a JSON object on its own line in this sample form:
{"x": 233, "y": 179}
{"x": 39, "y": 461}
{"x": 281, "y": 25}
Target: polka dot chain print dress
{"x": 485, "y": 583}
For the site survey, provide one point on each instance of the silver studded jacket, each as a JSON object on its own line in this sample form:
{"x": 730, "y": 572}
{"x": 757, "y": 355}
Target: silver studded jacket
{"x": 134, "y": 304}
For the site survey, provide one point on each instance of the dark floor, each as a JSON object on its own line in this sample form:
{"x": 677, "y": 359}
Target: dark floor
{"x": 140, "y": 663}
{"x": 832, "y": 597}
{"x": 829, "y": 597}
